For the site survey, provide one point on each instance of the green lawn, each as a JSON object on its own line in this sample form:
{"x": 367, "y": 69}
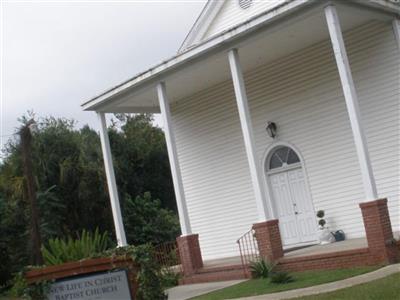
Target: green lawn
{"x": 387, "y": 288}
{"x": 255, "y": 287}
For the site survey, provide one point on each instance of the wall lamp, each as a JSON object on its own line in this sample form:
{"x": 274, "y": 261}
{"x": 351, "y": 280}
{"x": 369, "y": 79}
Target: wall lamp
{"x": 271, "y": 129}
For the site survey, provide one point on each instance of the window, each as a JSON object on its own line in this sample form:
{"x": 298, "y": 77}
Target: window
{"x": 282, "y": 157}
{"x": 244, "y": 4}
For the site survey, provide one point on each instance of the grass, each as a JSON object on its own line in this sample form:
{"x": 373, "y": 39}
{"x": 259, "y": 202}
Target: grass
{"x": 255, "y": 287}
{"x": 387, "y": 288}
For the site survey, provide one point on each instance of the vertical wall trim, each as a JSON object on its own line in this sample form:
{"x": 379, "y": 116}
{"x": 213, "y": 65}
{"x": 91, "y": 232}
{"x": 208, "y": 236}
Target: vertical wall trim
{"x": 112, "y": 186}
{"x": 350, "y": 96}
{"x": 247, "y": 129}
{"x": 173, "y": 160}
{"x": 396, "y": 29}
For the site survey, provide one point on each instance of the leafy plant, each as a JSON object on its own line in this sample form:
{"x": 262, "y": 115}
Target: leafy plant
{"x": 169, "y": 278}
{"x": 36, "y": 291}
{"x": 261, "y": 268}
{"x": 146, "y": 221}
{"x": 72, "y": 190}
{"x": 281, "y": 277}
{"x": 321, "y": 221}
{"x": 60, "y": 251}
{"x": 149, "y": 276}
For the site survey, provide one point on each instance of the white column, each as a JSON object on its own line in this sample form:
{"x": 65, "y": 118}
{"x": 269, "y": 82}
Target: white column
{"x": 112, "y": 186}
{"x": 173, "y": 160}
{"x": 247, "y": 129}
{"x": 396, "y": 29}
{"x": 350, "y": 96}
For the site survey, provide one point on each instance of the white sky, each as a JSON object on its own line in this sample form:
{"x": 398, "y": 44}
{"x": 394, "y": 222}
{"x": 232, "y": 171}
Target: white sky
{"x": 57, "y": 54}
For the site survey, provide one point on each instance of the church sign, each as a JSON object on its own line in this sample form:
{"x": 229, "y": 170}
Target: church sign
{"x": 97, "y": 286}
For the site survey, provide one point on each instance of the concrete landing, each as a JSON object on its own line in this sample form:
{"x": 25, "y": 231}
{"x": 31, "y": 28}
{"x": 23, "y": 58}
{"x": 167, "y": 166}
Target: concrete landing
{"x": 188, "y": 291}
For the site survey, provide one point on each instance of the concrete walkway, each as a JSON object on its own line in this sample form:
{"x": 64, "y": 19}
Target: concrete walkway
{"x": 188, "y": 291}
{"x": 329, "y": 287}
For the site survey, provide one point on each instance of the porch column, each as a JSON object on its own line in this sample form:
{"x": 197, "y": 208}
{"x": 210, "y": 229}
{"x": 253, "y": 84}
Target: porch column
{"x": 247, "y": 129}
{"x": 188, "y": 243}
{"x": 112, "y": 186}
{"x": 378, "y": 230}
{"x": 350, "y": 96}
{"x": 173, "y": 160}
{"x": 396, "y": 29}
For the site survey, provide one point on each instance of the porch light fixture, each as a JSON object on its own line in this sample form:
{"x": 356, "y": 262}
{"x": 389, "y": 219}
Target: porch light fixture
{"x": 271, "y": 129}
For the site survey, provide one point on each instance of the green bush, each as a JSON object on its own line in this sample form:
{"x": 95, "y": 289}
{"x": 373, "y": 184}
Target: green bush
{"x": 147, "y": 222}
{"x": 21, "y": 289}
{"x": 169, "y": 278}
{"x": 149, "y": 277}
{"x": 61, "y": 251}
{"x": 281, "y": 277}
{"x": 261, "y": 268}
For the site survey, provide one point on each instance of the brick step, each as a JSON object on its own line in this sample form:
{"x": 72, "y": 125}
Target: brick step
{"x": 213, "y": 274}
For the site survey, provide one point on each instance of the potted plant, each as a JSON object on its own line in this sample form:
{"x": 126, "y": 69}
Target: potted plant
{"x": 324, "y": 235}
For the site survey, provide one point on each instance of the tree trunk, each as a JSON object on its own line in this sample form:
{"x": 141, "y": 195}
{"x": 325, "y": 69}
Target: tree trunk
{"x": 35, "y": 237}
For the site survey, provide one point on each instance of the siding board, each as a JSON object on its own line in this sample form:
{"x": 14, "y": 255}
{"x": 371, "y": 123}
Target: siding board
{"x": 302, "y": 94}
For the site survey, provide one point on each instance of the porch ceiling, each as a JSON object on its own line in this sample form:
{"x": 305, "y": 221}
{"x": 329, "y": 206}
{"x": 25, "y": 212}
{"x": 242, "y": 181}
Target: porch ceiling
{"x": 292, "y": 33}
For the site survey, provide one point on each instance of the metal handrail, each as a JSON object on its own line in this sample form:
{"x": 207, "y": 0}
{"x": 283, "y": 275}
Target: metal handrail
{"x": 248, "y": 249}
{"x": 167, "y": 255}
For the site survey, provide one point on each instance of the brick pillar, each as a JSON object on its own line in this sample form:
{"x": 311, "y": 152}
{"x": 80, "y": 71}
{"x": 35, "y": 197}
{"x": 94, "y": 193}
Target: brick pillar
{"x": 269, "y": 240}
{"x": 378, "y": 230}
{"x": 190, "y": 253}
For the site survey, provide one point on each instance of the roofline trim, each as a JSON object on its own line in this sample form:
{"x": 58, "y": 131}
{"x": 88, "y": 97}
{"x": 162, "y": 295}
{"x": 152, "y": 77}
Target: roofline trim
{"x": 218, "y": 41}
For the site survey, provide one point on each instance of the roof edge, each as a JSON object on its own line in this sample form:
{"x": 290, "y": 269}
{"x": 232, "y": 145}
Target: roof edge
{"x": 229, "y": 35}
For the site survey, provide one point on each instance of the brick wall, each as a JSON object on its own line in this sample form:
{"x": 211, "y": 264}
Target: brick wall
{"x": 190, "y": 253}
{"x": 378, "y": 231}
{"x": 335, "y": 260}
{"x": 269, "y": 240}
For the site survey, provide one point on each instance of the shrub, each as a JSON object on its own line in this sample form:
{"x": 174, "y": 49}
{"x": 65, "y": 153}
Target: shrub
{"x": 321, "y": 221}
{"x": 281, "y": 277}
{"x": 21, "y": 289}
{"x": 169, "y": 278}
{"x": 147, "y": 222}
{"x": 149, "y": 276}
{"x": 261, "y": 268}
{"x": 61, "y": 251}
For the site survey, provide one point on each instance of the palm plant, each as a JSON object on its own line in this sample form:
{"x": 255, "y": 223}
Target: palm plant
{"x": 60, "y": 251}
{"x": 261, "y": 268}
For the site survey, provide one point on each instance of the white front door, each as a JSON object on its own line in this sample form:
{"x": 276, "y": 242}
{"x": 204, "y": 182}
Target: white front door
{"x": 293, "y": 206}
{"x": 285, "y": 208}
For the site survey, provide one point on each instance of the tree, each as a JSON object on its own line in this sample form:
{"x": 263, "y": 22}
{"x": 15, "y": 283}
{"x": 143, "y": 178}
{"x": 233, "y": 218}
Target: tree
{"x": 141, "y": 159}
{"x": 71, "y": 187}
{"x": 145, "y": 221}
{"x": 35, "y": 236}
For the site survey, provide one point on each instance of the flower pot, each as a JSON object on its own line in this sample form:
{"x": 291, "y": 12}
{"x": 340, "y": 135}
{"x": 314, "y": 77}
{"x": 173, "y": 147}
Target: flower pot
{"x": 325, "y": 236}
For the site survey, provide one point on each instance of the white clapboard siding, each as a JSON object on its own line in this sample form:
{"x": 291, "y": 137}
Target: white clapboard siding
{"x": 302, "y": 94}
{"x": 231, "y": 14}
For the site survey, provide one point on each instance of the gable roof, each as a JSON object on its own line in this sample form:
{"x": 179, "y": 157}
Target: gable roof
{"x": 219, "y": 42}
{"x": 221, "y": 15}
{"x": 202, "y": 23}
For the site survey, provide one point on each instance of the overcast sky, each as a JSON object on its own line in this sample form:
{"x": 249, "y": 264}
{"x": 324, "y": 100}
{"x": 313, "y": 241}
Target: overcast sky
{"x": 56, "y": 55}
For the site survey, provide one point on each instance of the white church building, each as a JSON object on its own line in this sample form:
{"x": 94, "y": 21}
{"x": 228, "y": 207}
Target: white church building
{"x": 273, "y": 110}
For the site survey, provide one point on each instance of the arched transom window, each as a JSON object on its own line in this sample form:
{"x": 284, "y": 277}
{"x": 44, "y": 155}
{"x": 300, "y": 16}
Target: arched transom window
{"x": 282, "y": 157}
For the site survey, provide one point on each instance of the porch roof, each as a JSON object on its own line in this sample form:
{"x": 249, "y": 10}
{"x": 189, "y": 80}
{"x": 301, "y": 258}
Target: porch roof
{"x": 267, "y": 37}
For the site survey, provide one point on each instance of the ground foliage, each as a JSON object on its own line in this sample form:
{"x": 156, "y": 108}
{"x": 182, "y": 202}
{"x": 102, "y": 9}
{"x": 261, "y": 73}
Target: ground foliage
{"x": 150, "y": 277}
{"x": 58, "y": 251}
{"x": 72, "y": 189}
